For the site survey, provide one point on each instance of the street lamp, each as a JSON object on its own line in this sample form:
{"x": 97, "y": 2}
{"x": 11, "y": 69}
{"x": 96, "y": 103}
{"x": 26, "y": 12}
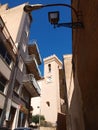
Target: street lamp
{"x": 54, "y": 16}
{"x": 39, "y": 114}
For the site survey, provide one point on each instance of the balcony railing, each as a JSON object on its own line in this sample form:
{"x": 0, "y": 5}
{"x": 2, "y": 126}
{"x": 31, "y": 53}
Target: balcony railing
{"x": 35, "y": 83}
{"x": 10, "y": 43}
{"x": 33, "y": 66}
{"x": 29, "y": 80}
{"x": 33, "y": 49}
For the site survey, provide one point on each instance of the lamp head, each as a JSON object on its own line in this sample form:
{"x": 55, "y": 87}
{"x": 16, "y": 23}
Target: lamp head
{"x": 53, "y": 17}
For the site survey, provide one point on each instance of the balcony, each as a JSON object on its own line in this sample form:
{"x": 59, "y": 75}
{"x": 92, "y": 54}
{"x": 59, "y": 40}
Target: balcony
{"x": 4, "y": 69}
{"x": 7, "y": 39}
{"x": 32, "y": 66}
{"x": 33, "y": 49}
{"x": 31, "y": 85}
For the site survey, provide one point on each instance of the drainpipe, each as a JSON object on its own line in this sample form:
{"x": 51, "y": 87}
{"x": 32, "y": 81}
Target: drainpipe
{"x": 9, "y": 92}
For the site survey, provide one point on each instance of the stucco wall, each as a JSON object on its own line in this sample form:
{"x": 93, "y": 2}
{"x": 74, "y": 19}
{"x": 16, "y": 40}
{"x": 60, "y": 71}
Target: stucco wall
{"x": 12, "y": 18}
{"x": 50, "y": 91}
{"x": 47, "y": 128}
{"x": 85, "y": 57}
{"x": 74, "y": 97}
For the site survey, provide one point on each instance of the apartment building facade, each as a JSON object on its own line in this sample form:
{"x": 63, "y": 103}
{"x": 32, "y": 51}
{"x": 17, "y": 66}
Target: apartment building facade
{"x": 19, "y": 70}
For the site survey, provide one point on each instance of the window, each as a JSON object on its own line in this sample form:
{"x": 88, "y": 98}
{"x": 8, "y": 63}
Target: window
{"x": 27, "y": 30}
{"x": 48, "y": 103}
{"x": 28, "y": 21}
{"x": 24, "y": 47}
{"x": 3, "y": 82}
{"x": 49, "y": 67}
{"x": 20, "y": 64}
{"x": 16, "y": 44}
{"x": 16, "y": 87}
{"x": 21, "y": 120}
{"x": 4, "y": 53}
{"x": 0, "y": 112}
{"x": 25, "y": 95}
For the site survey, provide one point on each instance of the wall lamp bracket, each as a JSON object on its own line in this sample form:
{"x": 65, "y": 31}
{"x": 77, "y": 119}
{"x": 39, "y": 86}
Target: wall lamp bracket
{"x": 54, "y": 19}
{"x": 54, "y": 16}
{"x": 73, "y": 25}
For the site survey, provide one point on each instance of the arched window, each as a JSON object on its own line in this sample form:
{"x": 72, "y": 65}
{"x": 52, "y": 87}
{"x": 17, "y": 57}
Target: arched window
{"x": 48, "y": 103}
{"x": 49, "y": 67}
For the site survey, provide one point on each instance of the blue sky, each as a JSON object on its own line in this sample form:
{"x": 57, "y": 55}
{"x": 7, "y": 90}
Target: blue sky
{"x": 50, "y": 41}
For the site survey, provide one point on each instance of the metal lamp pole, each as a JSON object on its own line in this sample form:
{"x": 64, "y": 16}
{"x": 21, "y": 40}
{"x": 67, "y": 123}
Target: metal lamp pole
{"x": 76, "y": 24}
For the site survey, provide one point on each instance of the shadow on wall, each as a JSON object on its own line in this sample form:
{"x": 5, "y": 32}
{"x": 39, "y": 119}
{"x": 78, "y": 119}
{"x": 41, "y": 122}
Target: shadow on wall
{"x": 61, "y": 122}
